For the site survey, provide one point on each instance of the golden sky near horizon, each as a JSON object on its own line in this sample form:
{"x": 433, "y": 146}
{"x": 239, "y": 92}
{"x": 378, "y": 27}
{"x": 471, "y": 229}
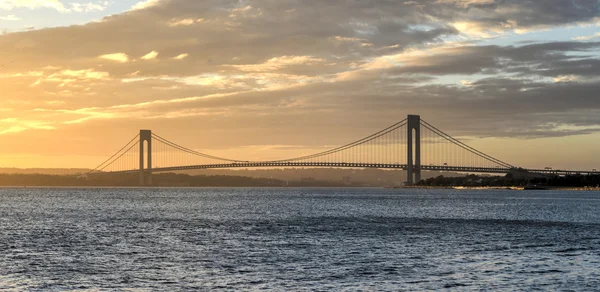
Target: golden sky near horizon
{"x": 263, "y": 79}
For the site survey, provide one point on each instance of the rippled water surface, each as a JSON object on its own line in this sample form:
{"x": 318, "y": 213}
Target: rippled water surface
{"x": 298, "y": 239}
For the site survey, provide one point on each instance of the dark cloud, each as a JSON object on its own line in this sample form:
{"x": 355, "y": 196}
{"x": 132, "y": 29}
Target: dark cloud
{"x": 255, "y": 31}
{"x": 520, "y": 13}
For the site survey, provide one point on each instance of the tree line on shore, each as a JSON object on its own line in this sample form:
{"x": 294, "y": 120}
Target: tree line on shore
{"x": 162, "y": 179}
{"x": 185, "y": 180}
{"x": 510, "y": 180}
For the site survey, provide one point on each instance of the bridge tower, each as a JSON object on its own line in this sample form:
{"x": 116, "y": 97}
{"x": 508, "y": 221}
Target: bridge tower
{"x": 146, "y": 173}
{"x": 413, "y": 169}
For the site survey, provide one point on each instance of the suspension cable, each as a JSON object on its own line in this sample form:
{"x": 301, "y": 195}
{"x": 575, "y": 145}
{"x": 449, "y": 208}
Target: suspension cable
{"x": 107, "y": 160}
{"x": 190, "y": 151}
{"x": 465, "y": 146}
{"x": 350, "y": 145}
{"x": 126, "y": 151}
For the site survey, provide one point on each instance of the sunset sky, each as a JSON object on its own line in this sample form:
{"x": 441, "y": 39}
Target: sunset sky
{"x": 254, "y": 79}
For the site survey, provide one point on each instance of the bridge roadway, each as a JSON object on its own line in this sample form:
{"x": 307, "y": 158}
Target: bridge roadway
{"x": 357, "y": 165}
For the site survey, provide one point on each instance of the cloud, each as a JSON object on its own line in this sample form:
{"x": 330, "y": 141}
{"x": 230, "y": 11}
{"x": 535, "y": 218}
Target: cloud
{"x": 566, "y": 78}
{"x": 10, "y": 18}
{"x": 150, "y": 56}
{"x": 145, "y": 4}
{"x": 69, "y": 77}
{"x": 32, "y": 4}
{"x": 54, "y": 4}
{"x": 185, "y": 21}
{"x": 309, "y": 64}
{"x": 487, "y": 18}
{"x": 15, "y": 125}
{"x": 279, "y": 63}
{"x": 117, "y": 57}
{"x": 181, "y": 56}
{"x": 587, "y": 38}
{"x": 89, "y": 7}
{"x": 84, "y": 74}
{"x": 466, "y": 3}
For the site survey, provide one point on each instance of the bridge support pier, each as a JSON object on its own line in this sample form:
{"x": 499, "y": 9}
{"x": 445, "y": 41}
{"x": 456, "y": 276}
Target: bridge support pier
{"x": 146, "y": 168}
{"x": 413, "y": 169}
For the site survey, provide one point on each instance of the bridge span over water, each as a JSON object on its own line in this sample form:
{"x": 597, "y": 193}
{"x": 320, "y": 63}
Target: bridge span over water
{"x": 412, "y": 145}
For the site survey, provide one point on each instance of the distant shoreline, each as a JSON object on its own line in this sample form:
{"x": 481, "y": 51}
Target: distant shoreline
{"x": 285, "y": 187}
{"x": 513, "y": 188}
{"x": 188, "y": 187}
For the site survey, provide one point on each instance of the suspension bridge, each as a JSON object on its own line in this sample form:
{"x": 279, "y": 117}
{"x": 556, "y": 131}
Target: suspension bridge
{"x": 412, "y": 145}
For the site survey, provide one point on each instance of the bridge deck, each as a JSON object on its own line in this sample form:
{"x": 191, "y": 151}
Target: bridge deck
{"x": 321, "y": 164}
{"x": 448, "y": 168}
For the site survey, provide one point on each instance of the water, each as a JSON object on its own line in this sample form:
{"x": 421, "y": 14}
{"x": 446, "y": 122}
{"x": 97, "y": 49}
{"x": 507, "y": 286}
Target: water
{"x": 298, "y": 239}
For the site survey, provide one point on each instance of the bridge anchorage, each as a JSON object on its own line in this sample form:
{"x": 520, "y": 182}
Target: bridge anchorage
{"x": 412, "y": 145}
